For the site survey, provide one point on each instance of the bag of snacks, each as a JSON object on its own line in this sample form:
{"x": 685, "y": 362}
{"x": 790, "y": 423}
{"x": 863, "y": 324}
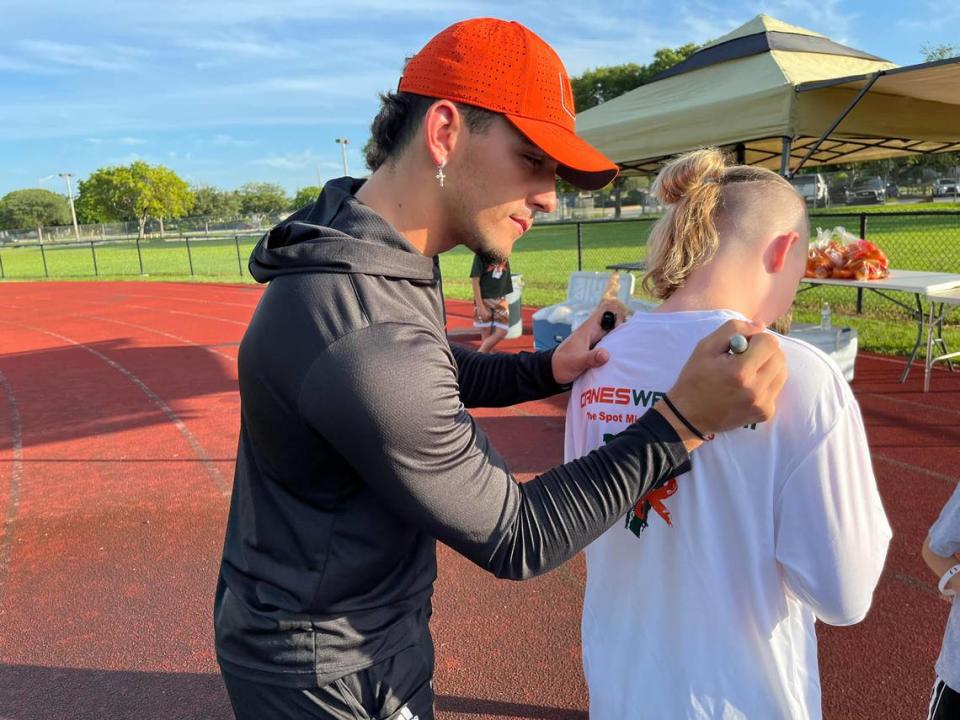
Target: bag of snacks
{"x": 839, "y": 254}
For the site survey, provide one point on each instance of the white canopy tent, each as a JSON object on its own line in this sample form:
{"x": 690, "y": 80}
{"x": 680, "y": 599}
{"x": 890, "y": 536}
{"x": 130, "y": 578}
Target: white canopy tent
{"x": 781, "y": 96}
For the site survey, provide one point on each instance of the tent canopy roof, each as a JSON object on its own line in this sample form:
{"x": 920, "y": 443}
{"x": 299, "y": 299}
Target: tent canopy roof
{"x": 762, "y": 23}
{"x": 767, "y": 81}
{"x": 761, "y": 35}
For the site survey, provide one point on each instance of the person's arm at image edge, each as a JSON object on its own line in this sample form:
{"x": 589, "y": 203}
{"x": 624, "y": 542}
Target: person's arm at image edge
{"x": 939, "y": 565}
{"x": 943, "y": 542}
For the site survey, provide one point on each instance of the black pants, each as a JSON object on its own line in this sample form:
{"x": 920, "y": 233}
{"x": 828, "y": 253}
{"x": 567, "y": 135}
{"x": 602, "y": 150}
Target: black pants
{"x": 944, "y": 702}
{"x": 399, "y": 688}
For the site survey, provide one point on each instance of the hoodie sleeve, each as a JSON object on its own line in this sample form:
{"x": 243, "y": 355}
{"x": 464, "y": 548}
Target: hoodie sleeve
{"x": 387, "y": 397}
{"x": 501, "y": 379}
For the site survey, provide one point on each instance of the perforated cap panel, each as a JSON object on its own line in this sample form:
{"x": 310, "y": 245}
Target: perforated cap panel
{"x": 506, "y": 68}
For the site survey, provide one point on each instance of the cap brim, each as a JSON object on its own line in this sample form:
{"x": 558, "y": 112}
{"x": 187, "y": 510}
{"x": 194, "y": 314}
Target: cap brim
{"x": 580, "y": 164}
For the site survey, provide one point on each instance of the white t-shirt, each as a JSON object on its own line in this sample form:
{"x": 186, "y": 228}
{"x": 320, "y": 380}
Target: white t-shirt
{"x": 709, "y": 611}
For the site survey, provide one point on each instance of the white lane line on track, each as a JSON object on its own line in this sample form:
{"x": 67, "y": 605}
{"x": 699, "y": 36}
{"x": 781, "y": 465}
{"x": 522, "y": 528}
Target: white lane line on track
{"x": 143, "y": 296}
{"x": 154, "y": 331}
{"x": 101, "y": 304}
{"x": 198, "y": 449}
{"x": 887, "y": 359}
{"x": 927, "y": 588}
{"x": 190, "y": 314}
{"x": 915, "y": 468}
{"x": 35, "y": 315}
{"x": 242, "y": 324}
{"x": 909, "y": 403}
{"x": 13, "y": 506}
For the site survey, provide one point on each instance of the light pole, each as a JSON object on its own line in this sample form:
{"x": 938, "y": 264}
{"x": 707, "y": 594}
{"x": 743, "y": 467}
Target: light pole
{"x": 342, "y": 142}
{"x": 73, "y": 211}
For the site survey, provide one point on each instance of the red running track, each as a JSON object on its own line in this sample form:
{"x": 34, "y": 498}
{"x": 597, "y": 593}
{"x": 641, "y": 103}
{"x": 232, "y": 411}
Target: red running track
{"x": 118, "y": 425}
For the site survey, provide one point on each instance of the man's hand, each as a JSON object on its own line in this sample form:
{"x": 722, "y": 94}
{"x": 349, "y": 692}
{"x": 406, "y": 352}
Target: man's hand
{"x": 577, "y": 354}
{"x": 719, "y": 391}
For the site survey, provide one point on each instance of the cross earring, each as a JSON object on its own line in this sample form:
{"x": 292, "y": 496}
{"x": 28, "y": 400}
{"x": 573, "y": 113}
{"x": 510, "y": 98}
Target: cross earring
{"x": 440, "y": 176}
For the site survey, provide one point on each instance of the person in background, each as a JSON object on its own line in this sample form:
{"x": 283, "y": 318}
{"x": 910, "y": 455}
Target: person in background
{"x": 777, "y": 525}
{"x": 491, "y": 285}
{"x": 940, "y": 553}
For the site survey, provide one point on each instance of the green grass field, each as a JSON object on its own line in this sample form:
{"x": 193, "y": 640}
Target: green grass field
{"x": 547, "y": 254}
{"x": 213, "y": 259}
{"x": 545, "y": 257}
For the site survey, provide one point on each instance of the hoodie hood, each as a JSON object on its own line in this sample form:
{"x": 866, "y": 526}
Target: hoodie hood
{"x": 325, "y": 237}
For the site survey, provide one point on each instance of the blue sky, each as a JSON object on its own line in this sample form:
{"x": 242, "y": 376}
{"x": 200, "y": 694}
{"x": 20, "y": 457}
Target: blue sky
{"x": 232, "y": 92}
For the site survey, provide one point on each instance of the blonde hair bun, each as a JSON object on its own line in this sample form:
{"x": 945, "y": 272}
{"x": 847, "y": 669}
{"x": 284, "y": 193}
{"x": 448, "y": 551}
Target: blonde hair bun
{"x": 694, "y": 187}
{"x": 689, "y": 173}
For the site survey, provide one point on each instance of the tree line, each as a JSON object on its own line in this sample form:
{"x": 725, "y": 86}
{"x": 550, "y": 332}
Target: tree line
{"x": 141, "y": 192}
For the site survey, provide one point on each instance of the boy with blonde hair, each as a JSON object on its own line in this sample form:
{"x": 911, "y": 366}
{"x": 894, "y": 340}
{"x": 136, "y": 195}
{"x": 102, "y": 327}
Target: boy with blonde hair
{"x": 702, "y": 603}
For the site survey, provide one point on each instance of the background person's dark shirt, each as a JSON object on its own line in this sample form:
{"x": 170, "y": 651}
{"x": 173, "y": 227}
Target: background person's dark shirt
{"x": 495, "y": 280}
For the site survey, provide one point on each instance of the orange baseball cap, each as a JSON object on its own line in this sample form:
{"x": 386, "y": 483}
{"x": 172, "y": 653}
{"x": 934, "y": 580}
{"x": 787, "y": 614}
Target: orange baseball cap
{"x": 505, "y": 68}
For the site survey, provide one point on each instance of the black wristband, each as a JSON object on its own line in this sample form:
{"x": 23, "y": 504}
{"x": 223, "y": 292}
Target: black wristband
{"x": 681, "y": 418}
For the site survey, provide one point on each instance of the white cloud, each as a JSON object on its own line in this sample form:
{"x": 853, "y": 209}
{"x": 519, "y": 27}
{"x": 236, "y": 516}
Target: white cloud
{"x": 126, "y": 140}
{"x": 224, "y": 139}
{"x": 127, "y": 159}
{"x": 246, "y": 46}
{"x": 822, "y": 16}
{"x": 256, "y": 12}
{"x": 242, "y": 49}
{"x": 704, "y": 23}
{"x": 291, "y": 161}
{"x": 89, "y": 57}
{"x": 19, "y": 65}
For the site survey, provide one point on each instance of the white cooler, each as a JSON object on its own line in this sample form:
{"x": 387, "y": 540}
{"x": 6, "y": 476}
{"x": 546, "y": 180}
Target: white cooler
{"x": 839, "y": 343}
{"x": 514, "y": 302}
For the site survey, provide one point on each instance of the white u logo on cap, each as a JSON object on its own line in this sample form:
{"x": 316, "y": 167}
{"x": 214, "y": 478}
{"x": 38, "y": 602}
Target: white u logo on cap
{"x": 563, "y": 101}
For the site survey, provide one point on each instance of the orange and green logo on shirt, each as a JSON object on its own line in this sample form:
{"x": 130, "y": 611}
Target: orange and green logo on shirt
{"x": 637, "y": 519}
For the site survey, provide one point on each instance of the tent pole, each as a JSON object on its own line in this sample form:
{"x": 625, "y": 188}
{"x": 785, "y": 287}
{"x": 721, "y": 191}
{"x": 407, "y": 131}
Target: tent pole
{"x": 853, "y": 103}
{"x": 785, "y": 157}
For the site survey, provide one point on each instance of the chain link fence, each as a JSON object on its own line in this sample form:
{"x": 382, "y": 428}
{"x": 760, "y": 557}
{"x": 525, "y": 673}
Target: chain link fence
{"x": 153, "y": 229}
{"x": 545, "y": 257}
{"x": 202, "y": 256}
{"x": 197, "y": 247}
{"x": 186, "y": 247}
{"x": 918, "y": 240}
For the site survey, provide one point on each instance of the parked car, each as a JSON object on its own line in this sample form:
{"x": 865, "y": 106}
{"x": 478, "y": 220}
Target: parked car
{"x": 945, "y": 187}
{"x": 867, "y": 190}
{"x": 813, "y": 188}
{"x": 838, "y": 193}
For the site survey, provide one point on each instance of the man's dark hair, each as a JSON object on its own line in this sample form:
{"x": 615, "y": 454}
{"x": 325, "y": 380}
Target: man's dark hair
{"x": 401, "y": 115}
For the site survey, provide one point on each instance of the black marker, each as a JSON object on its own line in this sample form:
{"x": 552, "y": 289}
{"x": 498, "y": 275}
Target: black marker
{"x": 608, "y": 320}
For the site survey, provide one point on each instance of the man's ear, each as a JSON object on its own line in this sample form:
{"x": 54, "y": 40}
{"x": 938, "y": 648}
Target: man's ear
{"x": 442, "y": 126}
{"x": 779, "y": 250}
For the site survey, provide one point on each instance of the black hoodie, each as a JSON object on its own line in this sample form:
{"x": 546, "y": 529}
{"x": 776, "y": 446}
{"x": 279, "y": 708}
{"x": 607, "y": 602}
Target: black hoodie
{"x": 356, "y": 454}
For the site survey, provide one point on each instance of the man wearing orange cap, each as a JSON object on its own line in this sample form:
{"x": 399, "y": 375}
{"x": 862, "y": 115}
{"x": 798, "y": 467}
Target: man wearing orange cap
{"x": 356, "y": 453}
